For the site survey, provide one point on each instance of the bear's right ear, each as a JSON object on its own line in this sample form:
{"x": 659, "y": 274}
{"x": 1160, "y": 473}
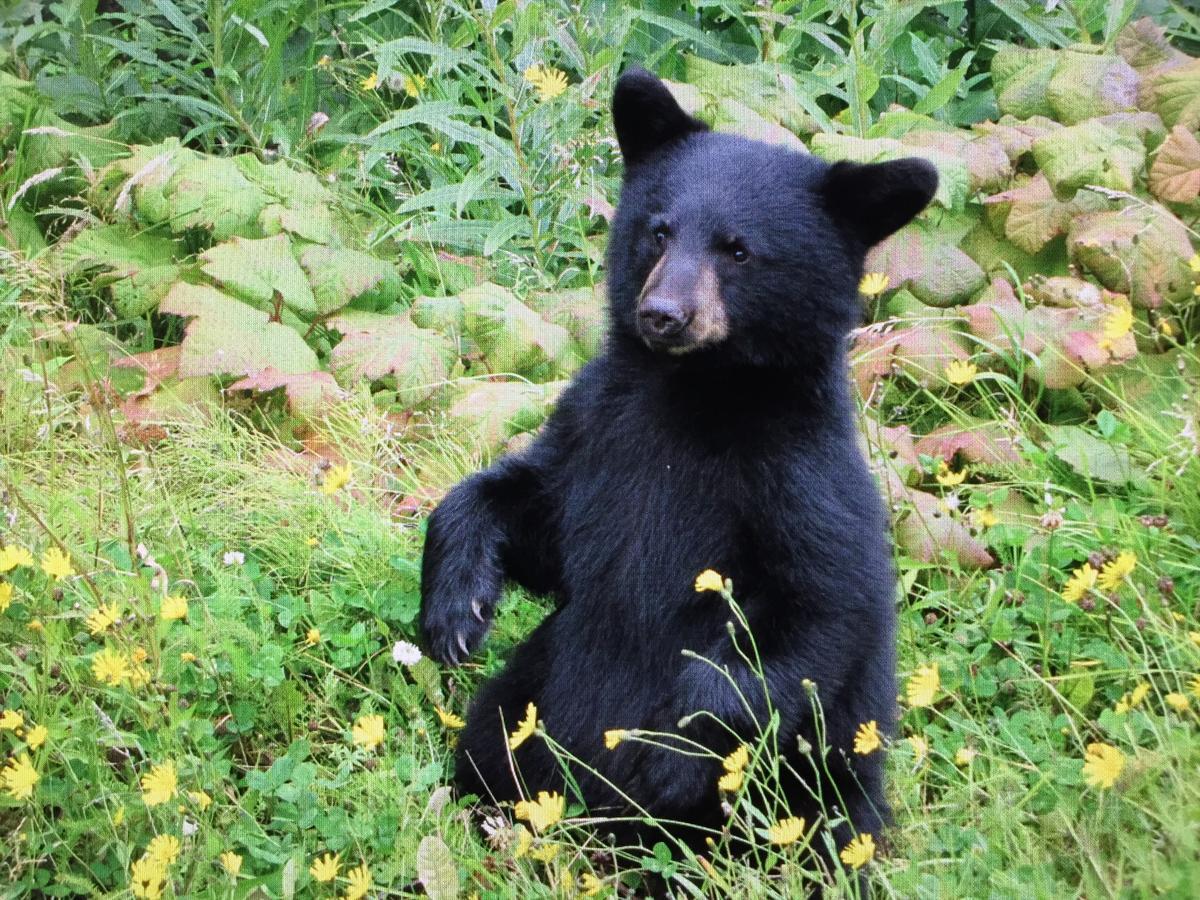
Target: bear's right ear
{"x": 873, "y": 200}
{"x": 646, "y": 116}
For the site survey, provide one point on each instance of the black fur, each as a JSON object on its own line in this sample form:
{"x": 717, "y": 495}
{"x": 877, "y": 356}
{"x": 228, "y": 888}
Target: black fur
{"x": 738, "y": 456}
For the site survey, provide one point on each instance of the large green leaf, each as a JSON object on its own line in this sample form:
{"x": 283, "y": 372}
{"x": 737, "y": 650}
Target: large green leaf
{"x": 374, "y": 346}
{"x": 213, "y": 194}
{"x": 1141, "y": 250}
{"x": 491, "y": 412}
{"x": 513, "y": 338}
{"x": 1085, "y": 85}
{"x": 140, "y": 268}
{"x": 341, "y": 276}
{"x": 920, "y": 258}
{"x": 256, "y": 269}
{"x": 1089, "y": 153}
{"x": 227, "y": 337}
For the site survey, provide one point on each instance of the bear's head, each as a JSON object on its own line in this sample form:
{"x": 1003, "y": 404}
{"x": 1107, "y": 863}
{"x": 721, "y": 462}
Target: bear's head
{"x": 729, "y": 250}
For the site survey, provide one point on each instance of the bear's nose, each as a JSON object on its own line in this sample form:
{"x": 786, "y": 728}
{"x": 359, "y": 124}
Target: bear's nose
{"x": 663, "y": 318}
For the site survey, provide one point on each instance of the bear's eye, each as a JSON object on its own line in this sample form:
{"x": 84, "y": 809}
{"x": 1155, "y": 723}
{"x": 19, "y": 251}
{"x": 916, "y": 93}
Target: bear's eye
{"x": 739, "y": 253}
{"x": 661, "y": 234}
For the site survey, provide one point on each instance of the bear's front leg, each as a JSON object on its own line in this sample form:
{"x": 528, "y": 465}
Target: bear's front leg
{"x": 496, "y": 523}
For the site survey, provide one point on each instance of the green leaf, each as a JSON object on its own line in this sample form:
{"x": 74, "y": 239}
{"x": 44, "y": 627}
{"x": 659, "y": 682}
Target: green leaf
{"x": 1140, "y": 251}
{"x": 513, "y": 338}
{"x": 255, "y": 269}
{"x": 374, "y": 346}
{"x": 943, "y": 92}
{"x": 140, "y": 268}
{"x": 227, "y": 337}
{"x": 436, "y": 869}
{"x": 339, "y": 277}
{"x": 1089, "y": 154}
{"x": 1090, "y": 456}
{"x": 212, "y": 193}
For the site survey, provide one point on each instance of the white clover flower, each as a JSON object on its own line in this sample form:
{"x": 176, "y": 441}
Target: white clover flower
{"x": 406, "y": 654}
{"x": 234, "y": 558}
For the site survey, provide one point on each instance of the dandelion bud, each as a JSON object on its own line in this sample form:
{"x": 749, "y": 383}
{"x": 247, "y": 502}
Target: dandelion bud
{"x": 1166, "y": 586}
{"x": 803, "y": 746}
{"x": 1140, "y": 624}
{"x": 931, "y": 618}
{"x": 1087, "y": 604}
{"x": 1052, "y": 520}
{"x": 686, "y": 720}
{"x": 318, "y": 121}
{"x": 58, "y": 595}
{"x": 729, "y": 628}
{"x": 1096, "y": 559}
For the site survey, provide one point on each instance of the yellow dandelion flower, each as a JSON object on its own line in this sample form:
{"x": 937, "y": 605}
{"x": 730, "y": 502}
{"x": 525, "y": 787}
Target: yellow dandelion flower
{"x": 57, "y": 564}
{"x": 873, "y": 284}
{"x": 325, "y": 868}
{"x": 1194, "y": 637}
{"x": 866, "y": 739}
{"x": 370, "y": 82}
{"x": 590, "y": 885}
{"x": 360, "y": 882}
{"x": 614, "y": 736}
{"x": 164, "y": 849}
{"x": 324, "y": 62}
{"x": 201, "y": 799}
{"x": 12, "y": 720}
{"x": 413, "y": 85}
{"x": 336, "y": 478}
{"x": 1194, "y": 686}
{"x": 449, "y": 719}
{"x": 524, "y": 728}
{"x": 111, "y": 667}
{"x": 119, "y": 816}
{"x": 947, "y": 477}
{"x": 36, "y": 736}
{"x": 1178, "y": 702}
{"x": 547, "y": 81}
{"x": 786, "y": 831}
{"x": 544, "y": 852}
{"x": 313, "y": 637}
{"x": 13, "y": 556}
{"x": 6, "y": 595}
{"x": 231, "y": 862}
{"x": 1116, "y": 325}
{"x": 524, "y": 842}
{"x": 859, "y": 851}
{"x": 36, "y": 625}
{"x": 985, "y": 518}
{"x": 1116, "y": 571}
{"x": 709, "y": 580}
{"x": 187, "y": 657}
{"x": 160, "y": 784}
{"x": 173, "y": 608}
{"x": 730, "y": 781}
{"x": 919, "y": 747}
{"x": 1194, "y": 264}
{"x": 737, "y": 760}
{"x": 312, "y": 541}
{"x": 1133, "y": 698}
{"x": 19, "y": 777}
{"x": 959, "y": 372}
{"x": 923, "y": 685}
{"x": 1102, "y": 765}
{"x": 965, "y": 756}
{"x": 1081, "y": 581}
{"x": 543, "y": 812}
{"x": 147, "y": 877}
{"x": 103, "y": 618}
{"x": 368, "y": 731}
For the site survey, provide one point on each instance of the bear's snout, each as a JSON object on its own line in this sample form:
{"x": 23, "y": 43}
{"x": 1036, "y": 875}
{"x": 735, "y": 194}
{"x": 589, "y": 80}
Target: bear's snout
{"x": 663, "y": 318}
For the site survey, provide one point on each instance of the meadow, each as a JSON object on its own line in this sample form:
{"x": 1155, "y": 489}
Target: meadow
{"x": 274, "y": 276}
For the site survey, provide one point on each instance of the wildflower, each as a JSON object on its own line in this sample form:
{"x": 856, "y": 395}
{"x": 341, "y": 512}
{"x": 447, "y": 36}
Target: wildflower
{"x": 873, "y": 284}
{"x": 1081, "y": 581}
{"x": 859, "y": 851}
{"x": 119, "y": 816}
{"x": 923, "y": 686}
{"x": 173, "y": 608}
{"x": 413, "y": 85}
{"x": 1194, "y": 264}
{"x": 614, "y": 736}
{"x": 201, "y": 799}
{"x": 947, "y": 477}
{"x": 231, "y": 863}
{"x": 1116, "y": 571}
{"x": 959, "y": 372}
{"x": 37, "y": 735}
{"x": 1165, "y": 327}
{"x": 708, "y": 580}
{"x": 1194, "y": 637}
{"x": 1131, "y": 699}
{"x": 57, "y": 564}
{"x": 370, "y": 82}
{"x": 543, "y": 812}
{"x": 324, "y": 62}
{"x": 360, "y": 882}
{"x": 12, "y": 720}
{"x": 6, "y": 594}
{"x": 730, "y": 781}
{"x": 524, "y": 842}
{"x": 965, "y": 756}
{"x": 1102, "y": 765}
{"x": 1194, "y": 686}
{"x": 368, "y": 731}
{"x": 311, "y": 542}
{"x": 325, "y": 868}
{"x": 146, "y": 878}
{"x": 336, "y": 478}
{"x": 234, "y": 558}
{"x": 590, "y": 885}
{"x": 1052, "y": 520}
{"x": 164, "y": 849}
{"x": 449, "y": 719}
{"x": 313, "y": 637}
{"x": 545, "y": 852}
{"x": 103, "y": 618}
{"x": 19, "y": 777}
{"x": 187, "y": 657}
{"x": 406, "y": 654}
{"x": 985, "y": 518}
{"x": 524, "y": 728}
{"x": 160, "y": 784}
{"x": 919, "y": 746}
{"x": 13, "y": 556}
{"x": 36, "y": 625}
{"x": 1116, "y": 325}
{"x": 110, "y": 667}
{"x": 1178, "y": 702}
{"x": 735, "y": 766}
{"x": 866, "y": 739}
{"x": 786, "y": 831}
{"x": 547, "y": 81}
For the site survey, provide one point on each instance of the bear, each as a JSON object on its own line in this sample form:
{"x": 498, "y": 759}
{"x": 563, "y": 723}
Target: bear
{"x": 714, "y": 431}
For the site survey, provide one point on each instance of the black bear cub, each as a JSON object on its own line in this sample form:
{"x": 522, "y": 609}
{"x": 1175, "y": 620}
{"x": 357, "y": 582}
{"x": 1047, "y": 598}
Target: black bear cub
{"x": 716, "y": 431}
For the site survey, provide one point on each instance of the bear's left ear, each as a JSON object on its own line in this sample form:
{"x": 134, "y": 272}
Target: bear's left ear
{"x": 875, "y": 199}
{"x": 646, "y": 116}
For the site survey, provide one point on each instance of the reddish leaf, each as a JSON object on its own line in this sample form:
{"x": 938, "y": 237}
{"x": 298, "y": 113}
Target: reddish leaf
{"x": 1175, "y": 174}
{"x": 155, "y": 365}
{"x": 982, "y": 443}
{"x": 308, "y": 393}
